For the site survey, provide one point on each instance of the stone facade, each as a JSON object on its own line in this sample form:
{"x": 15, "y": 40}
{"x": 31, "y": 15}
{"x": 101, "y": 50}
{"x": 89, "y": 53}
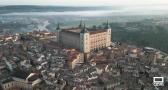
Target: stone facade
{"x": 85, "y": 39}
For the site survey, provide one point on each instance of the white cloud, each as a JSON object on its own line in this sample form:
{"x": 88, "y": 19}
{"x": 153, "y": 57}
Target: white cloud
{"x": 82, "y": 2}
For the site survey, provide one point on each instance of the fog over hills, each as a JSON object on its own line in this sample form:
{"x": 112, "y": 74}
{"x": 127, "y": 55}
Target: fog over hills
{"x": 84, "y": 10}
{"x": 34, "y": 8}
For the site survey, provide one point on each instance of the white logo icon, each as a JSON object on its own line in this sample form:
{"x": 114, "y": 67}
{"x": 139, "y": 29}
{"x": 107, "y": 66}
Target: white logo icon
{"x": 158, "y": 81}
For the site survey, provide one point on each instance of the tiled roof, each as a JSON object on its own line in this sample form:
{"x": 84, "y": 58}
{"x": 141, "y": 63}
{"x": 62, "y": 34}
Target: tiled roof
{"x": 78, "y": 30}
{"x": 72, "y": 55}
{"x": 97, "y": 31}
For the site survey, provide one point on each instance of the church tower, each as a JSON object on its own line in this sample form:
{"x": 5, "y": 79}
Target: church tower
{"x": 84, "y": 40}
{"x": 108, "y": 28}
{"x": 58, "y": 30}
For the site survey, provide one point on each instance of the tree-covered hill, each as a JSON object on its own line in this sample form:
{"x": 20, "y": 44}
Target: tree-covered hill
{"x": 143, "y": 33}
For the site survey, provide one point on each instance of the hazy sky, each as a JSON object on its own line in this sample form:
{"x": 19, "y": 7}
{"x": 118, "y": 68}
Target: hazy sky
{"x": 83, "y": 2}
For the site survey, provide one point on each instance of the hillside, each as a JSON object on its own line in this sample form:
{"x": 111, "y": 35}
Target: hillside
{"x": 151, "y": 33}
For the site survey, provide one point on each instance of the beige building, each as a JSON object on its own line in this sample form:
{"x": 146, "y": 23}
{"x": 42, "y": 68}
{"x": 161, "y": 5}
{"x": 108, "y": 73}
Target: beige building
{"x": 85, "y": 39}
{"x": 22, "y": 81}
{"x": 74, "y": 58}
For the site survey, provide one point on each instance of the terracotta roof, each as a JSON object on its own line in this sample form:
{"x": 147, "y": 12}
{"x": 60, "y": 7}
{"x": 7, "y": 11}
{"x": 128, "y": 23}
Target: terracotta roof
{"x": 77, "y": 30}
{"x": 71, "y": 29}
{"x": 51, "y": 45}
{"x": 97, "y": 31}
{"x": 72, "y": 55}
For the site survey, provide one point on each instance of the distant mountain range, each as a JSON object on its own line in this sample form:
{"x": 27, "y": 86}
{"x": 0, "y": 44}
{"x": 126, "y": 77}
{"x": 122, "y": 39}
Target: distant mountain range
{"x": 33, "y": 8}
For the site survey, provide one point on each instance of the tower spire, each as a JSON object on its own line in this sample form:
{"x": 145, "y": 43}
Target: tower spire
{"x": 107, "y": 22}
{"x": 107, "y": 25}
{"x": 84, "y": 29}
{"x": 80, "y": 25}
{"x": 58, "y": 26}
{"x": 84, "y": 26}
